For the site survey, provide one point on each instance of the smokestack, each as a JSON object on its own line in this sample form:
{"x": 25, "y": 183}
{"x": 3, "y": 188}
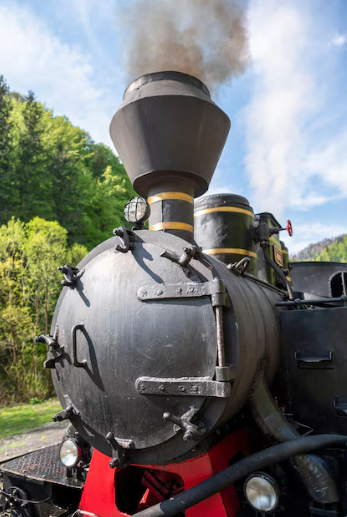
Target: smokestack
{"x": 169, "y": 135}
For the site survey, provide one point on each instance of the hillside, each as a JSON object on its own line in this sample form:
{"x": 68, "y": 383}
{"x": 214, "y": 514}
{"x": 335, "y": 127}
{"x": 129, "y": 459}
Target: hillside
{"x": 61, "y": 195}
{"x": 54, "y": 170}
{"x": 334, "y": 250}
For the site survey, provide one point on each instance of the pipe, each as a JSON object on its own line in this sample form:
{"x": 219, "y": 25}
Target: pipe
{"x": 239, "y": 470}
{"x": 278, "y": 271}
{"x": 312, "y": 469}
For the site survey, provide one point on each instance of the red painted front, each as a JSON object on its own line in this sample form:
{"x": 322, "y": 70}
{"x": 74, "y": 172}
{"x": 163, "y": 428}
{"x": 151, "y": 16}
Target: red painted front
{"x": 99, "y": 494}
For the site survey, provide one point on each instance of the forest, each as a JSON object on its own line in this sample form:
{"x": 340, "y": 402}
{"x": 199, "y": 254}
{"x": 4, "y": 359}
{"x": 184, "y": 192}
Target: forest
{"x": 327, "y": 250}
{"x": 61, "y": 194}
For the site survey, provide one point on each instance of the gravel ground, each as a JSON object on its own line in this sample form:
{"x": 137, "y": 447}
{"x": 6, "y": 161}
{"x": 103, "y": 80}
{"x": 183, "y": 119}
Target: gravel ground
{"x": 20, "y": 444}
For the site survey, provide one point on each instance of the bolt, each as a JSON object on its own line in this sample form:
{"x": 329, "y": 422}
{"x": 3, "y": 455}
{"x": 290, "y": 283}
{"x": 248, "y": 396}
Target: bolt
{"x": 115, "y": 463}
{"x": 181, "y": 388}
{"x": 141, "y": 388}
{"x": 194, "y": 389}
{"x": 188, "y": 435}
{"x": 159, "y": 292}
{"x": 179, "y": 290}
{"x": 161, "y": 387}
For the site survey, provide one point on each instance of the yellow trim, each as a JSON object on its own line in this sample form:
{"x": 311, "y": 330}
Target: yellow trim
{"x": 289, "y": 278}
{"x": 238, "y": 251}
{"x": 170, "y": 195}
{"x": 172, "y": 225}
{"x": 223, "y": 209}
{"x": 285, "y": 251}
{"x": 276, "y": 241}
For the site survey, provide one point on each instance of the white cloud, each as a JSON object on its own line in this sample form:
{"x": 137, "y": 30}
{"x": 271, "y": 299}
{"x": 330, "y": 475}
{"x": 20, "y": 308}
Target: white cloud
{"x": 330, "y": 163}
{"x": 291, "y": 88}
{"x": 61, "y": 75}
{"x": 305, "y": 234}
{"x": 282, "y": 93}
{"x": 339, "y": 40}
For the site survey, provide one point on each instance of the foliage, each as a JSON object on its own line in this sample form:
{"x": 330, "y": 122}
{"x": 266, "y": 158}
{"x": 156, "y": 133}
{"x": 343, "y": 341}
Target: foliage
{"x": 336, "y": 252}
{"x": 29, "y": 286}
{"x": 26, "y": 417}
{"x": 61, "y": 195}
{"x": 53, "y": 170}
{"x": 327, "y": 250}
{"x": 312, "y": 250}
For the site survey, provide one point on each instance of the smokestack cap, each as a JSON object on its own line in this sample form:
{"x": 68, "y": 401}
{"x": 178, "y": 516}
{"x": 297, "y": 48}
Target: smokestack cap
{"x": 168, "y": 76}
{"x": 168, "y": 128}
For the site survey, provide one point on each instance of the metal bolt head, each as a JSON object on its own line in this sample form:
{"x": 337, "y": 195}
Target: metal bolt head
{"x": 181, "y": 388}
{"x": 188, "y": 435}
{"x": 141, "y": 388}
{"x": 162, "y": 387}
{"x": 159, "y": 292}
{"x": 114, "y": 463}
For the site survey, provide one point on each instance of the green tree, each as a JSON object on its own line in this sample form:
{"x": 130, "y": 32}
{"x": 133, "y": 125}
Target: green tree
{"x": 5, "y": 151}
{"x": 33, "y": 176}
{"x": 104, "y": 205}
{"x": 15, "y": 321}
{"x": 55, "y": 171}
{"x": 336, "y": 252}
{"x": 29, "y": 287}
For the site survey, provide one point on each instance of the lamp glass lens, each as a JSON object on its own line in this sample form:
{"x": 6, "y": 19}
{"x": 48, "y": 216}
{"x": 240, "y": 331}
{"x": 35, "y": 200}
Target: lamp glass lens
{"x": 135, "y": 210}
{"x": 69, "y": 453}
{"x": 261, "y": 494}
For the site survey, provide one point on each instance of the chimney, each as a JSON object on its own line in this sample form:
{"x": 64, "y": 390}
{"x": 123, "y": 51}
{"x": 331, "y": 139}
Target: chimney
{"x": 169, "y": 135}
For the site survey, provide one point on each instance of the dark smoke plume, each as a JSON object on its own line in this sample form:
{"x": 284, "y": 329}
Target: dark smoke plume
{"x": 204, "y": 38}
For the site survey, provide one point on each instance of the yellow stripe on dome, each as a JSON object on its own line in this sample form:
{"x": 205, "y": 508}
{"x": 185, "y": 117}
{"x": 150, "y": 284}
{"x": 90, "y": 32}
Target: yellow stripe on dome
{"x": 223, "y": 209}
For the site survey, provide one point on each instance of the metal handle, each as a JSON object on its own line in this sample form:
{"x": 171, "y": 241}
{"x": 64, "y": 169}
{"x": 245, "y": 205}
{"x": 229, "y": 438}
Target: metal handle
{"x": 315, "y": 361}
{"x": 78, "y": 364}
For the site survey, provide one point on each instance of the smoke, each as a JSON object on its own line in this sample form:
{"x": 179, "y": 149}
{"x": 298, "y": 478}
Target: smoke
{"x": 204, "y": 38}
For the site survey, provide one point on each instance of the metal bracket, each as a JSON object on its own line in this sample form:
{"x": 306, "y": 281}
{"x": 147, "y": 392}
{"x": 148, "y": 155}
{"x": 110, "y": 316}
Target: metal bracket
{"x": 191, "y": 431}
{"x": 123, "y": 234}
{"x": 66, "y": 413}
{"x": 71, "y": 275}
{"x": 215, "y": 289}
{"x": 54, "y": 350}
{"x": 239, "y": 268}
{"x": 52, "y": 356}
{"x": 119, "y": 451}
{"x": 182, "y": 387}
{"x": 185, "y": 258}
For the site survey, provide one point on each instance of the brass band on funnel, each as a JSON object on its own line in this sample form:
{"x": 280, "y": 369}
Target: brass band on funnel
{"x": 170, "y": 195}
{"x": 172, "y": 208}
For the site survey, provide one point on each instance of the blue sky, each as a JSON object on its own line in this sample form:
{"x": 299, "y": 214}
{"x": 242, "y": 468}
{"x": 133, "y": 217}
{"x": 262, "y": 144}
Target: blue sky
{"x": 287, "y": 149}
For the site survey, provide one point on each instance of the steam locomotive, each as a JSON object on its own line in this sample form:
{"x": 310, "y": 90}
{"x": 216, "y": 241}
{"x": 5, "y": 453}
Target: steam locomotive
{"x": 201, "y": 372}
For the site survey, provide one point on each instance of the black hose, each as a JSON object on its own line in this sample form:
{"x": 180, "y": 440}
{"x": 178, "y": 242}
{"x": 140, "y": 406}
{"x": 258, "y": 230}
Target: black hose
{"x": 239, "y": 470}
{"x": 315, "y": 474}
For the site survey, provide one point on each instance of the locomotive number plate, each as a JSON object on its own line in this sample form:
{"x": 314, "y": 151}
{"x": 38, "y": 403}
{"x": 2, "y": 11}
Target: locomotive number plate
{"x": 278, "y": 256}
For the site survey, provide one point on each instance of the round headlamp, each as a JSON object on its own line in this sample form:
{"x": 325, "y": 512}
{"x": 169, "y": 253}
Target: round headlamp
{"x": 69, "y": 453}
{"x": 137, "y": 210}
{"x": 262, "y": 492}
